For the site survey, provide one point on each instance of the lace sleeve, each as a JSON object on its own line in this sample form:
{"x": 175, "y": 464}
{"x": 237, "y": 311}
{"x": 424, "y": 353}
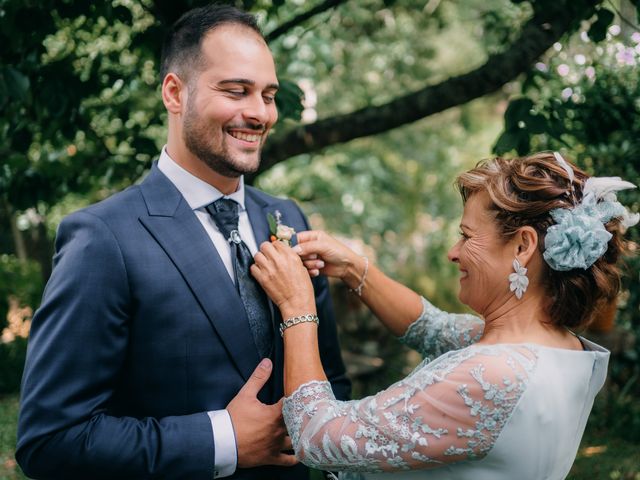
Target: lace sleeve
{"x": 436, "y": 332}
{"x": 446, "y": 411}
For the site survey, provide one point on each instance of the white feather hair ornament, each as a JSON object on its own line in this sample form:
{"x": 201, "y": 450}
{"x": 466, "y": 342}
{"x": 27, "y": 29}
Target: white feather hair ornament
{"x": 604, "y": 189}
{"x": 563, "y": 163}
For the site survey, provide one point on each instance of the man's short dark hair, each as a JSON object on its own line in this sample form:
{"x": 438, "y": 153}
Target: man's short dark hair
{"x": 181, "y": 51}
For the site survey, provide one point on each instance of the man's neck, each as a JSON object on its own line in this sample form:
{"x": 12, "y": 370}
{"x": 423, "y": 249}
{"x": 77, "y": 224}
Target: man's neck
{"x": 197, "y": 168}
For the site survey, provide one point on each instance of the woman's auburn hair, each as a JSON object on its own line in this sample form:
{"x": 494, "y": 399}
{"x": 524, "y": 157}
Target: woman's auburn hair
{"x": 523, "y": 192}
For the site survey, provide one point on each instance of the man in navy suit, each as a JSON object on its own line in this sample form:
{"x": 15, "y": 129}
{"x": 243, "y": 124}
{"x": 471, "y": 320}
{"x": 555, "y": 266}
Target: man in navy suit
{"x": 142, "y": 362}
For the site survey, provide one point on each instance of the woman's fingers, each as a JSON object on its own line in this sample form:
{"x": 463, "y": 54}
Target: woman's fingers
{"x": 313, "y": 256}
{"x": 315, "y": 243}
{"x": 310, "y": 249}
{"x": 273, "y": 252}
{"x": 313, "y": 264}
{"x": 335, "y": 256}
{"x": 282, "y": 275}
{"x": 308, "y": 236}
{"x": 277, "y": 261}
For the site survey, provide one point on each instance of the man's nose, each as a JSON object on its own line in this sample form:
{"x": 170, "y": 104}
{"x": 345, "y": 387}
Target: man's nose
{"x": 256, "y": 110}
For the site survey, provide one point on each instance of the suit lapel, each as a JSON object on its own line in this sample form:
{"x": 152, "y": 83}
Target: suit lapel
{"x": 258, "y": 208}
{"x": 177, "y": 229}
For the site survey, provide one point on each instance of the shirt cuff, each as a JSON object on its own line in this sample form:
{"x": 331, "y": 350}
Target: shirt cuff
{"x": 224, "y": 442}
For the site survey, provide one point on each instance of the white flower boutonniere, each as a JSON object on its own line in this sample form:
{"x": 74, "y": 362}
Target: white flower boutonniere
{"x": 279, "y": 231}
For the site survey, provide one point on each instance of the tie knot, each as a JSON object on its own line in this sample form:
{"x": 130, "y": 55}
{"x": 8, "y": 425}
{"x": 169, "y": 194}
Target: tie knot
{"x": 225, "y": 215}
{"x": 225, "y": 205}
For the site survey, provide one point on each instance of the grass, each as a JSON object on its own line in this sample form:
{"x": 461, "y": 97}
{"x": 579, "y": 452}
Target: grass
{"x": 605, "y": 458}
{"x": 599, "y": 457}
{"x": 9, "y": 469}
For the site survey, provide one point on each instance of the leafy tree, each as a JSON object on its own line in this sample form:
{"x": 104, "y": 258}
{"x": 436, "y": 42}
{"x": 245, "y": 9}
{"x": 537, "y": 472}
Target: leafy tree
{"x": 78, "y": 84}
{"x": 582, "y": 99}
{"x": 82, "y": 116}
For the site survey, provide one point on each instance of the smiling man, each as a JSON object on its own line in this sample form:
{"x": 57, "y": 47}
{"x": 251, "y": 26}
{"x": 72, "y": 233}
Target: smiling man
{"x": 154, "y": 353}
{"x": 221, "y": 113}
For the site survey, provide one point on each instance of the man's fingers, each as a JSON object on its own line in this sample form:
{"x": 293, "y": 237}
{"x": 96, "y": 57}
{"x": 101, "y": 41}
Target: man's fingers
{"x": 284, "y": 460}
{"x": 257, "y": 379}
{"x": 286, "y": 444}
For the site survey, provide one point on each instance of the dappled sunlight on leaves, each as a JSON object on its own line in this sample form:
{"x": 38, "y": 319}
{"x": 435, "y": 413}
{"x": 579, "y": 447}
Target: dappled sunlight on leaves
{"x": 18, "y": 321}
{"x": 591, "y": 451}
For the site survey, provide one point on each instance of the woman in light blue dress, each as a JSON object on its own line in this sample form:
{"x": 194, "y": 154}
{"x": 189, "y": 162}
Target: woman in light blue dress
{"x": 502, "y": 395}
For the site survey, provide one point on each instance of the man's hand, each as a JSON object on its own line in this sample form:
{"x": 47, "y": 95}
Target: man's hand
{"x": 261, "y": 436}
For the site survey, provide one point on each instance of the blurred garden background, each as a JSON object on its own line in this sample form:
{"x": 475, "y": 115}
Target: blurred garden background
{"x": 382, "y": 103}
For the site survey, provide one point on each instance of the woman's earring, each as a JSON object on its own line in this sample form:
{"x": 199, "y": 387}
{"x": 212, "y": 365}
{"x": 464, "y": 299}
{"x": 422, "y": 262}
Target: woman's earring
{"x": 518, "y": 281}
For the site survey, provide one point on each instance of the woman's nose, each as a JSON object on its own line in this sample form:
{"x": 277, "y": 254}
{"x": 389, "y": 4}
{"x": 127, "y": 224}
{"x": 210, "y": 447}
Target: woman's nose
{"x": 454, "y": 252}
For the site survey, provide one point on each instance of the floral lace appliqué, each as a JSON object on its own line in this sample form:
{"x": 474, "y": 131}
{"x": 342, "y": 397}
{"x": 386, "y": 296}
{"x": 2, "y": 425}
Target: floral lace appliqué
{"x": 435, "y": 332}
{"x": 448, "y": 410}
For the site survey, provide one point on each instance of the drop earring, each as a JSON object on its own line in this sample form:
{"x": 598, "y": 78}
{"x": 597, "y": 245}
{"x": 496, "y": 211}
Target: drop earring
{"x": 518, "y": 281}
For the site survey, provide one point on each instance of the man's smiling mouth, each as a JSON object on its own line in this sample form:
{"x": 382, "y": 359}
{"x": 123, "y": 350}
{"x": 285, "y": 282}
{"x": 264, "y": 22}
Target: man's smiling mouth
{"x": 247, "y": 137}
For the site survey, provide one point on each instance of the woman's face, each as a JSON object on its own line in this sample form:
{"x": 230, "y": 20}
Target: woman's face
{"x": 484, "y": 259}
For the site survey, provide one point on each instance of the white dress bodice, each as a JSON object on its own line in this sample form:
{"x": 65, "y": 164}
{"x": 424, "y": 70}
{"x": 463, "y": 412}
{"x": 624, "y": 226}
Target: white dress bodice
{"x": 481, "y": 412}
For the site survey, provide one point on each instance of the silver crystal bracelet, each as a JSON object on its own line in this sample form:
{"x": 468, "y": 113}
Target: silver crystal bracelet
{"x": 290, "y": 322}
{"x": 358, "y": 289}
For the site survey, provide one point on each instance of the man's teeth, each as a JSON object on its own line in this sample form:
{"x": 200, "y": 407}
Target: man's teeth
{"x": 247, "y": 137}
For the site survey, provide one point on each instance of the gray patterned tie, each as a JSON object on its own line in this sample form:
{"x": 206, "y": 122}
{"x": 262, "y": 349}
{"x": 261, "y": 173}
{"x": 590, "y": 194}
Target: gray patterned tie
{"x": 225, "y": 214}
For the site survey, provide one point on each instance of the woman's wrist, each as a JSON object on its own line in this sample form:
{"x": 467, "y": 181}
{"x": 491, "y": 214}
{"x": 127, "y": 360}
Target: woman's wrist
{"x": 355, "y": 273}
{"x": 291, "y": 311}
{"x": 290, "y": 322}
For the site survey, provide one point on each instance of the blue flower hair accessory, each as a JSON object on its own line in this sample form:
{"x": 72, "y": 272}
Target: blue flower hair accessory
{"x": 579, "y": 237}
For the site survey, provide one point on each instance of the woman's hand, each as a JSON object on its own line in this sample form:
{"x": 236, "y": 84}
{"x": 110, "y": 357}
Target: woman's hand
{"x": 280, "y": 272}
{"x": 321, "y": 253}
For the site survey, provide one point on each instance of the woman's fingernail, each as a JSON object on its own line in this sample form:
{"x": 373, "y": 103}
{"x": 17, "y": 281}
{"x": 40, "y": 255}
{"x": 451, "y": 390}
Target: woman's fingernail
{"x": 297, "y": 249}
{"x": 320, "y": 264}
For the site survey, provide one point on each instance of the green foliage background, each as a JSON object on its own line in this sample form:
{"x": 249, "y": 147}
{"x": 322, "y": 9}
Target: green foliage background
{"x": 585, "y": 101}
{"x": 81, "y": 118}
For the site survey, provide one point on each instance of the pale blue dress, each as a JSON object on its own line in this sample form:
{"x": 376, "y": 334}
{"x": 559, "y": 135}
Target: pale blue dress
{"x": 476, "y": 412}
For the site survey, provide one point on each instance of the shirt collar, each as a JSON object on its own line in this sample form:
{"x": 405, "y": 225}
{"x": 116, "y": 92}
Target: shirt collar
{"x": 195, "y": 191}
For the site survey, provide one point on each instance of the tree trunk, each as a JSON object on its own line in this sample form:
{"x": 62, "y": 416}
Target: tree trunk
{"x": 19, "y": 245}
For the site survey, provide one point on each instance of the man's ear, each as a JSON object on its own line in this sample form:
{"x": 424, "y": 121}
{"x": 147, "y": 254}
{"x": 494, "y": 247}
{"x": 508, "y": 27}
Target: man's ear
{"x": 526, "y": 244}
{"x": 174, "y": 93}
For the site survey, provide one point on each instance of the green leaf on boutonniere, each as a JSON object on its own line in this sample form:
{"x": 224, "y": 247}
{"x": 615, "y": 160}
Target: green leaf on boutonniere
{"x": 273, "y": 225}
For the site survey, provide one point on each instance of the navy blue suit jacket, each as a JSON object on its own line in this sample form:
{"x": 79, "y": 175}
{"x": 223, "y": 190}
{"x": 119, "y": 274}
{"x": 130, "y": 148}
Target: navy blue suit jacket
{"x": 141, "y": 332}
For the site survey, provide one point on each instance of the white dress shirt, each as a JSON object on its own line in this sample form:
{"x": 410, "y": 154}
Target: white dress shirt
{"x": 198, "y": 194}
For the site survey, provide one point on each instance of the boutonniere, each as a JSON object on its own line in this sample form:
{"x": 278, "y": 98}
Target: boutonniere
{"x": 279, "y": 231}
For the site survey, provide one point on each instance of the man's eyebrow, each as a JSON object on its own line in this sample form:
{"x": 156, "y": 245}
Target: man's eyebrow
{"x": 246, "y": 81}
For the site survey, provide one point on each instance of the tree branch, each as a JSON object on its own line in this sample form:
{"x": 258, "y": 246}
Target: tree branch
{"x": 538, "y": 35}
{"x": 303, "y": 17}
{"x": 621, "y": 16}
